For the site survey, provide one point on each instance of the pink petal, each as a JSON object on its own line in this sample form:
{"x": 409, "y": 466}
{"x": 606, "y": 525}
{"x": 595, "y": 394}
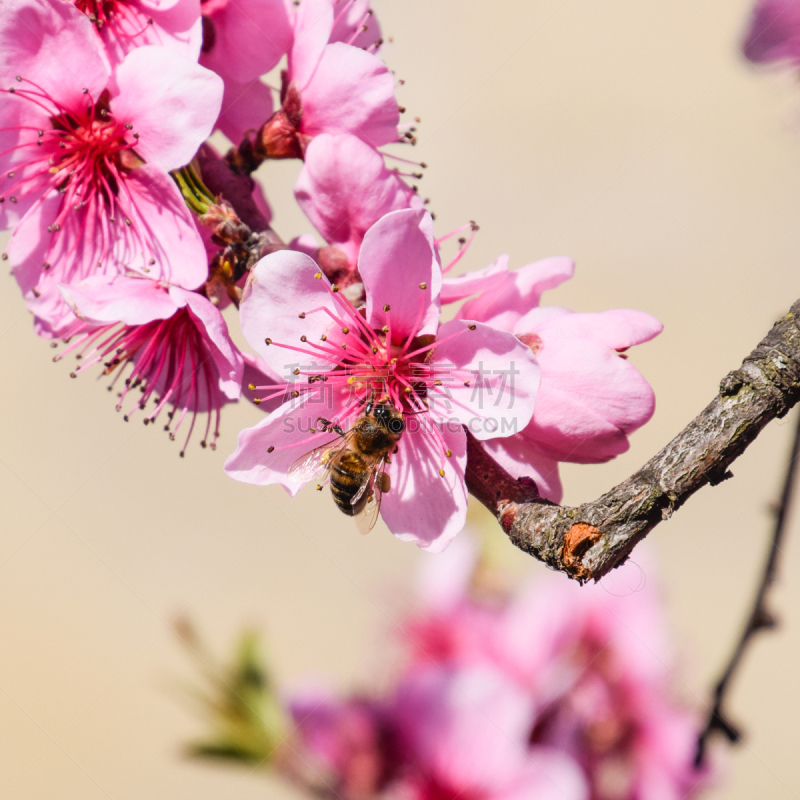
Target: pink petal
{"x": 159, "y": 5}
{"x": 590, "y": 398}
{"x": 245, "y": 107}
{"x": 226, "y": 356}
{"x": 522, "y": 291}
{"x": 250, "y": 37}
{"x": 344, "y": 188}
{"x": 397, "y": 259}
{"x": 550, "y": 774}
{"x": 52, "y": 316}
{"x": 152, "y": 79}
{"x": 422, "y": 507}
{"x": 176, "y": 25}
{"x": 305, "y": 243}
{"x": 466, "y": 727}
{"x": 312, "y": 29}
{"x": 267, "y": 313}
{"x": 255, "y": 374}
{"x": 520, "y": 458}
{"x": 352, "y": 91}
{"x": 502, "y": 373}
{"x": 287, "y": 431}
{"x": 167, "y": 234}
{"x": 488, "y": 279}
{"x": 618, "y": 329}
{"x": 54, "y": 45}
{"x": 774, "y": 33}
{"x": 135, "y": 301}
{"x": 161, "y": 243}
{"x": 349, "y": 25}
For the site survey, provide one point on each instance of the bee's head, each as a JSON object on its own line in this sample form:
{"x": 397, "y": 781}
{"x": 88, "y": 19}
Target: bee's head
{"x": 389, "y": 419}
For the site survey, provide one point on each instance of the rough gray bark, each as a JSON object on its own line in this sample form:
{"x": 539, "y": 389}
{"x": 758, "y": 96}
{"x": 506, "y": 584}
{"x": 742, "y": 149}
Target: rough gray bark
{"x": 588, "y": 541}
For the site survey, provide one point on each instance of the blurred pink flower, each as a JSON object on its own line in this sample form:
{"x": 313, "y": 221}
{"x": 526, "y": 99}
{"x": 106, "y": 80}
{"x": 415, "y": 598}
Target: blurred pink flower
{"x": 176, "y": 343}
{"x": 346, "y": 745}
{"x": 124, "y": 25}
{"x": 442, "y": 375}
{"x": 554, "y": 691}
{"x": 465, "y": 732}
{"x": 774, "y": 32}
{"x": 85, "y": 161}
{"x": 604, "y": 670}
{"x": 591, "y": 398}
{"x": 595, "y": 663}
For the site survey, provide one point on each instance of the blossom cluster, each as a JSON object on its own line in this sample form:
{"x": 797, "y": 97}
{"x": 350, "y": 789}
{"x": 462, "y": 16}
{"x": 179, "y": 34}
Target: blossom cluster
{"x": 547, "y": 691}
{"x": 128, "y": 246}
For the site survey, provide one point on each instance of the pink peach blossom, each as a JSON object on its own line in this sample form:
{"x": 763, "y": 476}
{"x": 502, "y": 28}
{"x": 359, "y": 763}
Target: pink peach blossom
{"x": 344, "y": 188}
{"x": 329, "y": 87}
{"x": 591, "y": 398}
{"x": 85, "y": 161}
{"x": 175, "y": 341}
{"x": 774, "y": 32}
{"x": 123, "y": 25}
{"x": 445, "y": 376}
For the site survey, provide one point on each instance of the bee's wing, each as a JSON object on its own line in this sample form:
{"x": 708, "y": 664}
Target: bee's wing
{"x": 315, "y": 464}
{"x": 369, "y": 513}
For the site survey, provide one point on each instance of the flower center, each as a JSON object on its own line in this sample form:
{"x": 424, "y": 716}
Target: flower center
{"x": 86, "y": 155}
{"x": 83, "y": 153}
{"x": 361, "y": 364}
{"x": 119, "y": 16}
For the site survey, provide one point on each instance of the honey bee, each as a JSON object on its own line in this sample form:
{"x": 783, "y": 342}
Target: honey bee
{"x": 355, "y": 462}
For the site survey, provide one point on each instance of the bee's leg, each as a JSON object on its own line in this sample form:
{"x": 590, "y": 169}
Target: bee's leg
{"x": 338, "y": 429}
{"x": 324, "y": 424}
{"x": 385, "y": 482}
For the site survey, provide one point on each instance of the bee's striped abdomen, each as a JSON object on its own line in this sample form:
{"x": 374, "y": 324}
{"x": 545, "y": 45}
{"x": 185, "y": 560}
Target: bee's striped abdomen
{"x": 347, "y": 473}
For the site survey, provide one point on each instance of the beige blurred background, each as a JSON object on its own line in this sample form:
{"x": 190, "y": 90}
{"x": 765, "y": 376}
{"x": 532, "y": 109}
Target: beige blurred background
{"x": 626, "y": 134}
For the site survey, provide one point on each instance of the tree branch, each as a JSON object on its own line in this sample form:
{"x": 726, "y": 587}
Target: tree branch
{"x": 588, "y": 541}
{"x": 760, "y": 617}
